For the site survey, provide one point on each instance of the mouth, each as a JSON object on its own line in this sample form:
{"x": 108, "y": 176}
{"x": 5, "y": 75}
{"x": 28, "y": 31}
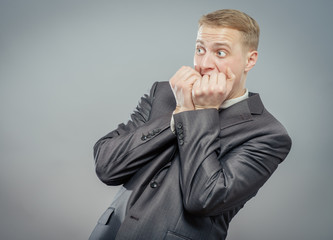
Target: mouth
{"x": 207, "y": 73}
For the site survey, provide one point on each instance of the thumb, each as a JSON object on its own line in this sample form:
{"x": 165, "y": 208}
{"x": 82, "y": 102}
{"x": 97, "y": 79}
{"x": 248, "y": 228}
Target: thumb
{"x": 230, "y": 74}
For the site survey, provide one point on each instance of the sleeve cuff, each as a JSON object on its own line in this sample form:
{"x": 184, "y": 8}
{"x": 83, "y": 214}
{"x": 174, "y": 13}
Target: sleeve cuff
{"x": 172, "y": 124}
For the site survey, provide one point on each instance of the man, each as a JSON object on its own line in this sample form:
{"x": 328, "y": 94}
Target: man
{"x": 193, "y": 153}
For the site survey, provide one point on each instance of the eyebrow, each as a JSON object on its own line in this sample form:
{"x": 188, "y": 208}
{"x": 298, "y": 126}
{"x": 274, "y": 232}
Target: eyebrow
{"x": 216, "y": 44}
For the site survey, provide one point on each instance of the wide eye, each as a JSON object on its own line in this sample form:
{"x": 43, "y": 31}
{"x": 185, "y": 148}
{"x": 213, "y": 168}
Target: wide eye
{"x": 221, "y": 53}
{"x": 200, "y": 51}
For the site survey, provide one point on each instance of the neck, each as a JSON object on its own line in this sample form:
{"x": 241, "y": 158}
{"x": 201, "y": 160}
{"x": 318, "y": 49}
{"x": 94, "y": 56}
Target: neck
{"x": 237, "y": 93}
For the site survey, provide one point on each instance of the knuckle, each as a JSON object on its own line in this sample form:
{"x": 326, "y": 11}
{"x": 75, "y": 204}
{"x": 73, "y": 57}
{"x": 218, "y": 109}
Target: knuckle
{"x": 197, "y": 93}
{"x": 211, "y": 90}
{"x": 221, "y": 76}
{"x": 222, "y": 91}
{"x": 214, "y": 75}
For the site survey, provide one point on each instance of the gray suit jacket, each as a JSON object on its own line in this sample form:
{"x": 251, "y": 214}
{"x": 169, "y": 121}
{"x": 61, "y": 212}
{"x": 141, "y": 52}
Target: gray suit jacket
{"x": 187, "y": 185}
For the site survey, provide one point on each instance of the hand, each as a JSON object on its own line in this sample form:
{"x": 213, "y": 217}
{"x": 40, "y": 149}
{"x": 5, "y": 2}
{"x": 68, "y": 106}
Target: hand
{"x": 211, "y": 91}
{"x": 181, "y": 84}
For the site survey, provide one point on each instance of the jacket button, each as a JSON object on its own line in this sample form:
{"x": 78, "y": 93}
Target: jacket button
{"x": 144, "y": 137}
{"x": 179, "y": 125}
{"x": 156, "y": 130}
{"x": 181, "y": 141}
{"x": 153, "y": 184}
{"x": 180, "y": 136}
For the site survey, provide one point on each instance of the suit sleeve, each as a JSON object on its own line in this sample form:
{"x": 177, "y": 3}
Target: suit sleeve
{"x": 213, "y": 181}
{"x": 122, "y": 152}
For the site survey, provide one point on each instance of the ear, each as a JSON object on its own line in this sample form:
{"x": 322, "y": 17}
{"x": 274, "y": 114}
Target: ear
{"x": 251, "y": 60}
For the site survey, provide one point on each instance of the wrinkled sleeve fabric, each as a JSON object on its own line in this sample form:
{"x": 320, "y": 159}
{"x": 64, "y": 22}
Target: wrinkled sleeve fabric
{"x": 122, "y": 152}
{"x": 212, "y": 181}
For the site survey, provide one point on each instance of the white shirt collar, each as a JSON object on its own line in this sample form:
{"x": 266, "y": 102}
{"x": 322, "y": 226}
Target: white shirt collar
{"x": 230, "y": 102}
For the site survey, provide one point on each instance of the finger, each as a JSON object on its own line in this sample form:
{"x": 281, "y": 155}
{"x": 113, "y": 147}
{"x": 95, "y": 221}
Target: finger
{"x": 187, "y": 74}
{"x": 179, "y": 75}
{"x": 196, "y": 87}
{"x": 197, "y": 83}
{"x": 204, "y": 81}
{"x": 230, "y": 80}
{"x": 221, "y": 83}
{"x": 183, "y": 72}
{"x": 194, "y": 81}
{"x": 213, "y": 79}
{"x": 230, "y": 77}
{"x": 191, "y": 73}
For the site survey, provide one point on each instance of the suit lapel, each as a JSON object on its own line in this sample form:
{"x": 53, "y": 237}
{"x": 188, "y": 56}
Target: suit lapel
{"x": 241, "y": 112}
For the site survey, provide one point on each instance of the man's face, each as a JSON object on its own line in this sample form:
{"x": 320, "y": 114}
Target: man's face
{"x": 219, "y": 48}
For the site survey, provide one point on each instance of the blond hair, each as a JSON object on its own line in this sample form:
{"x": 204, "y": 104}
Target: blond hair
{"x": 234, "y": 19}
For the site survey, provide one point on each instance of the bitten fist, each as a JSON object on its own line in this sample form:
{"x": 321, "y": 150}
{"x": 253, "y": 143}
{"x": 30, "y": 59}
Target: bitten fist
{"x": 181, "y": 84}
{"x": 211, "y": 91}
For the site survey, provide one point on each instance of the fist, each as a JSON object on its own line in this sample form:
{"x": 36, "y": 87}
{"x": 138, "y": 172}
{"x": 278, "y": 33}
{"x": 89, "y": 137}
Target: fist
{"x": 211, "y": 91}
{"x": 181, "y": 84}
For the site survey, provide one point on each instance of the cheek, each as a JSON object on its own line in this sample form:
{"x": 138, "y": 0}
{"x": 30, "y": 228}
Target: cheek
{"x": 222, "y": 68}
{"x": 233, "y": 64}
{"x": 222, "y": 65}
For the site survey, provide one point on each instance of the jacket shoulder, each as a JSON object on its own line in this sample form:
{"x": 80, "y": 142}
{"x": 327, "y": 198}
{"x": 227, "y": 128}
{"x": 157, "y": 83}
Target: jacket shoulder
{"x": 279, "y": 135}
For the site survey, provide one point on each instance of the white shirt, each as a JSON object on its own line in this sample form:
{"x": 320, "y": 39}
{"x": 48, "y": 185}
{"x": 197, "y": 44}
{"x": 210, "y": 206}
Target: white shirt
{"x": 230, "y": 102}
{"x": 225, "y": 104}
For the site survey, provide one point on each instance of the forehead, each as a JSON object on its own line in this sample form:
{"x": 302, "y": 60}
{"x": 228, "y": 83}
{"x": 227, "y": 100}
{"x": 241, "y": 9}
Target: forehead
{"x": 215, "y": 34}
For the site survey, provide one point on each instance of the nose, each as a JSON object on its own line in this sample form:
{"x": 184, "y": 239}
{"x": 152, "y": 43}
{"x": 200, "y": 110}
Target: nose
{"x": 207, "y": 64}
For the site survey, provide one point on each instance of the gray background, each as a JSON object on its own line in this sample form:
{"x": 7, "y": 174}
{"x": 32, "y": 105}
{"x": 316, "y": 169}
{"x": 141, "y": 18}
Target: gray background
{"x": 70, "y": 71}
